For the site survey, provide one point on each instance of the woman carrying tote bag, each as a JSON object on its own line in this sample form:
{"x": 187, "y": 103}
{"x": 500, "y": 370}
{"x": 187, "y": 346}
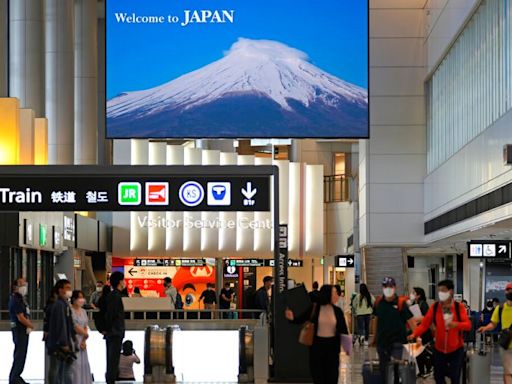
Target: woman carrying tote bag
{"x": 327, "y": 323}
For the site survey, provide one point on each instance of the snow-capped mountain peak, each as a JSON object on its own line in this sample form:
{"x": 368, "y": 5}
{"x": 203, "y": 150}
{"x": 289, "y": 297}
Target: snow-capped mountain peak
{"x": 254, "y": 67}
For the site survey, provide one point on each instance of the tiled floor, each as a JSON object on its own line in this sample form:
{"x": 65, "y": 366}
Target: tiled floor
{"x": 350, "y": 370}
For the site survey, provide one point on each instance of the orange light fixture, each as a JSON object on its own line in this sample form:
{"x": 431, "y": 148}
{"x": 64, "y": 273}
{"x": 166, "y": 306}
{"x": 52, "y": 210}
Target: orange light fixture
{"x": 9, "y": 130}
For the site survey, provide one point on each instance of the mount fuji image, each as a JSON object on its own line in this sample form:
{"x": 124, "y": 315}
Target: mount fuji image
{"x": 260, "y": 88}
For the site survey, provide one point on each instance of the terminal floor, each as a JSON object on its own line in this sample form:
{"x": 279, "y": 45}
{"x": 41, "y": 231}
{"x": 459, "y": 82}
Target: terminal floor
{"x": 350, "y": 369}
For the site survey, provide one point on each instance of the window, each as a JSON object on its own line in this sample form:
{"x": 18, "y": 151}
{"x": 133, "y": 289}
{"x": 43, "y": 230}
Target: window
{"x": 472, "y": 86}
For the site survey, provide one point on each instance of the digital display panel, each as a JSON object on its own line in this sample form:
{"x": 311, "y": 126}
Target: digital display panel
{"x": 237, "y": 69}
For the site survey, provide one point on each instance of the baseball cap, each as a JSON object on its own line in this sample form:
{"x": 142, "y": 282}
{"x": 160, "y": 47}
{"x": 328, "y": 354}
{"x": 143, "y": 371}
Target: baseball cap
{"x": 388, "y": 281}
{"x": 509, "y": 286}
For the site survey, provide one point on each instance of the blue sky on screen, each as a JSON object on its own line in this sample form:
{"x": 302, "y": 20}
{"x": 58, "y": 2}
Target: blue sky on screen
{"x": 333, "y": 33}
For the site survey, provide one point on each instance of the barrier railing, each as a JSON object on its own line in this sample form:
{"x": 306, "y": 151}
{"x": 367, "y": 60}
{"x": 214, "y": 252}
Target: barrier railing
{"x": 198, "y": 315}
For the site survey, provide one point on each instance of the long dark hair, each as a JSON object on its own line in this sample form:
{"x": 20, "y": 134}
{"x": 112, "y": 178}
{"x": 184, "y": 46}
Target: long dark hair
{"x": 365, "y": 294}
{"x": 128, "y": 348}
{"x": 421, "y": 293}
{"x": 325, "y": 295}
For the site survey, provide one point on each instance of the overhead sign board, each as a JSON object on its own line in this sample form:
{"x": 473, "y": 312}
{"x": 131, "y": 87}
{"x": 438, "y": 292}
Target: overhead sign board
{"x": 482, "y": 249}
{"x": 55, "y": 188}
{"x": 237, "y": 69}
{"x": 345, "y": 261}
{"x": 169, "y": 262}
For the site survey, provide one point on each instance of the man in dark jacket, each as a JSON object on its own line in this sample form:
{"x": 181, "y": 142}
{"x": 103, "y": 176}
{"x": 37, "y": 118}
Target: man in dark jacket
{"x": 262, "y": 301}
{"x": 61, "y": 335}
{"x": 21, "y": 326}
{"x": 114, "y": 326}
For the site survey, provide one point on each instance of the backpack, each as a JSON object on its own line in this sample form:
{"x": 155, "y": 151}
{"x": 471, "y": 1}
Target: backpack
{"x": 457, "y": 311}
{"x": 179, "y": 301}
{"x": 401, "y": 301}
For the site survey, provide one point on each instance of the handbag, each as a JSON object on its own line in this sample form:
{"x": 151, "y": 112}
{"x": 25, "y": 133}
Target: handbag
{"x": 505, "y": 337}
{"x": 307, "y": 332}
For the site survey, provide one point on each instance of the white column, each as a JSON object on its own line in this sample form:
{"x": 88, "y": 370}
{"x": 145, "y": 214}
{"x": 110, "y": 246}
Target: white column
{"x": 4, "y": 46}
{"x": 59, "y": 62}
{"x": 86, "y": 82}
{"x": 26, "y": 63}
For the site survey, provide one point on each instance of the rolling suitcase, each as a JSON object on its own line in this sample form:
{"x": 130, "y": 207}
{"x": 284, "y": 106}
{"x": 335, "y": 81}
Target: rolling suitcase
{"x": 371, "y": 372}
{"x": 402, "y": 371}
{"x": 477, "y": 367}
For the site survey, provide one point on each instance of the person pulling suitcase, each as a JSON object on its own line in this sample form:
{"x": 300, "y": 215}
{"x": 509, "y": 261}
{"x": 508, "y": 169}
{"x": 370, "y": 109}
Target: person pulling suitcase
{"x": 391, "y": 316}
{"x": 450, "y": 320}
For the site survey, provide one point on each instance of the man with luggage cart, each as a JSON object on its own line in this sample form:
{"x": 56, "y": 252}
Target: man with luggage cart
{"x": 503, "y": 315}
{"x": 450, "y": 320}
{"x": 391, "y": 316}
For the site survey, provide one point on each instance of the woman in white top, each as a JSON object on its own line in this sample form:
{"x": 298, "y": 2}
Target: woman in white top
{"x": 128, "y": 358}
{"x": 324, "y": 354}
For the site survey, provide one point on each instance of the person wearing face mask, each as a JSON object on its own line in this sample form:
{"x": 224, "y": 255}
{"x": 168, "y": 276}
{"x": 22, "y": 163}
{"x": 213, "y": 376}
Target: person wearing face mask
{"x": 391, "y": 316}
{"x": 81, "y": 369}
{"x": 262, "y": 294}
{"x": 96, "y": 295}
{"x": 424, "y": 360}
{"x": 114, "y": 326}
{"x": 61, "y": 340}
{"x": 21, "y": 326}
{"x": 450, "y": 320}
{"x": 502, "y": 315}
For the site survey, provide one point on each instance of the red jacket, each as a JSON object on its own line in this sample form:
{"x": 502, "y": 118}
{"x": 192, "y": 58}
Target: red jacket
{"x": 446, "y": 342}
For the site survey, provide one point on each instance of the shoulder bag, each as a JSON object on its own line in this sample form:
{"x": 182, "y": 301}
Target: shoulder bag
{"x": 307, "y": 333}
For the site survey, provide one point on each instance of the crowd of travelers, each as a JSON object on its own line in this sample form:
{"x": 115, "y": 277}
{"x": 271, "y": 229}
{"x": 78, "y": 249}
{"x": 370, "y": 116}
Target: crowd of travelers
{"x": 387, "y": 321}
{"x": 392, "y": 323}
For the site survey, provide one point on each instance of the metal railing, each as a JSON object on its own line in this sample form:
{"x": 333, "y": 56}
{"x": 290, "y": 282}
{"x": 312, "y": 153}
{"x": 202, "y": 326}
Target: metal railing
{"x": 337, "y": 188}
{"x": 193, "y": 315}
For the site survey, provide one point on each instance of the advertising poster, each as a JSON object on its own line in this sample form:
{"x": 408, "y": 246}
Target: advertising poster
{"x": 237, "y": 68}
{"x": 189, "y": 281}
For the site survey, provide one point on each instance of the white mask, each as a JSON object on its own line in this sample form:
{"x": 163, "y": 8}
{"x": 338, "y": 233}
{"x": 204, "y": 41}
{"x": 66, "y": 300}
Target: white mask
{"x": 69, "y": 294}
{"x": 388, "y": 291}
{"x": 443, "y": 296}
{"x": 23, "y": 290}
{"x": 99, "y": 289}
{"x": 412, "y": 297}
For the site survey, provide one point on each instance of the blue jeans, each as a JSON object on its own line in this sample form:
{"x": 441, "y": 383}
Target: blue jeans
{"x": 387, "y": 352}
{"x": 60, "y": 372}
{"x": 20, "y": 339}
{"x": 363, "y": 326}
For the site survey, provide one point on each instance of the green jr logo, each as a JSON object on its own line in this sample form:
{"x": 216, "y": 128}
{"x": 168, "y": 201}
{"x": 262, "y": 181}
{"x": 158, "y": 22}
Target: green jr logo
{"x": 129, "y": 193}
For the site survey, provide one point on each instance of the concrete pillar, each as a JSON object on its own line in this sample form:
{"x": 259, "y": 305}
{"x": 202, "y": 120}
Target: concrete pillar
{"x": 4, "y": 46}
{"x": 26, "y": 63}
{"x": 105, "y": 147}
{"x": 59, "y": 60}
{"x": 86, "y": 82}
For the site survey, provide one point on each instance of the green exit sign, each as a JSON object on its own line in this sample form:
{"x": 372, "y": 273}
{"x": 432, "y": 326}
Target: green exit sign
{"x": 42, "y": 235}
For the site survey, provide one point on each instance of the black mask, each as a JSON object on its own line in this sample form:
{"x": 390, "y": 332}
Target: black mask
{"x": 509, "y": 296}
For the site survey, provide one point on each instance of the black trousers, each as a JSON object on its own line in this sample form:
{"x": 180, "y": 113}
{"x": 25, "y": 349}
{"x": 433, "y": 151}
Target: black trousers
{"x": 114, "y": 344}
{"x": 20, "y": 339}
{"x": 324, "y": 360}
{"x": 448, "y": 365}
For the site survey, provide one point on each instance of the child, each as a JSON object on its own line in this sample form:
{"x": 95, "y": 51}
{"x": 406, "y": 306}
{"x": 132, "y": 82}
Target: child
{"x": 128, "y": 357}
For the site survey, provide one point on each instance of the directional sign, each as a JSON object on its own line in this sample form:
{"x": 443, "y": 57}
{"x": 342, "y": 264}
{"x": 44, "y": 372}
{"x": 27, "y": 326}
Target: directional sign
{"x": 148, "y": 272}
{"x": 345, "y": 261}
{"x": 489, "y": 249}
{"x": 249, "y": 192}
{"x": 134, "y": 188}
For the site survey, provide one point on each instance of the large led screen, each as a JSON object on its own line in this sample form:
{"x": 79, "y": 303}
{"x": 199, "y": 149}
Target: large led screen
{"x": 237, "y": 68}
